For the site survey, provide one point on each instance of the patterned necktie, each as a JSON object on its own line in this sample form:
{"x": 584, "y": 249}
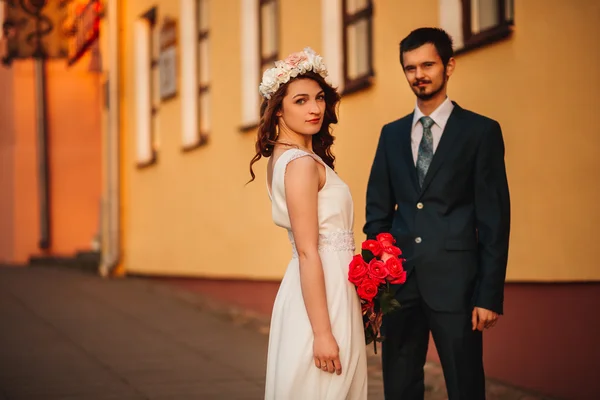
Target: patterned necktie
{"x": 425, "y": 150}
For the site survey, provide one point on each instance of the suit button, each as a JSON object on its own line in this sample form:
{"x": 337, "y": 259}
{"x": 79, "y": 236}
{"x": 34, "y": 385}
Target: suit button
{"x": 420, "y": 206}
{"x": 418, "y": 240}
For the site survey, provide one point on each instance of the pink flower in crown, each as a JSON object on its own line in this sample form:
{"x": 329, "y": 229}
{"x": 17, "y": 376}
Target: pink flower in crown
{"x": 292, "y": 66}
{"x": 294, "y": 59}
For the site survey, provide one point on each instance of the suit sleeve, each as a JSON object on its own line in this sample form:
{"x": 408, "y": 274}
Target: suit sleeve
{"x": 492, "y": 209}
{"x": 380, "y": 202}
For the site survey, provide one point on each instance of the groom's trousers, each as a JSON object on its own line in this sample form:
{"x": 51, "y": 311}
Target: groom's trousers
{"x": 404, "y": 348}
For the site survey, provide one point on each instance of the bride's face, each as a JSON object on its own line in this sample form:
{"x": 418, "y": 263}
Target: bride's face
{"x": 303, "y": 107}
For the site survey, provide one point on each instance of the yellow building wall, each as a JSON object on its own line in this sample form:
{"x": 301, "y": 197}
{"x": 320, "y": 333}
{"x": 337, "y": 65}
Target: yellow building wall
{"x": 535, "y": 85}
{"x": 191, "y": 215}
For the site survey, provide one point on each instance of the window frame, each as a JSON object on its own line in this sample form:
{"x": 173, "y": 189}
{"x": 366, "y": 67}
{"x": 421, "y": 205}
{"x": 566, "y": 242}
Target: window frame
{"x": 364, "y": 81}
{"x": 502, "y": 29}
{"x": 267, "y": 62}
{"x": 202, "y": 35}
{"x": 151, "y": 18}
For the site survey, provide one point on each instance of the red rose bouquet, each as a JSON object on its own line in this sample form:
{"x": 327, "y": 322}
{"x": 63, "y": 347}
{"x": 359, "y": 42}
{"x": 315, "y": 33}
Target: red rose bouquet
{"x": 373, "y": 280}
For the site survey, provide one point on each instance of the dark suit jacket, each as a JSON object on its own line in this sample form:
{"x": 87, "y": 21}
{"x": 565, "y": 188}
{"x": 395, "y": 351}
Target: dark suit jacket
{"x": 454, "y": 231}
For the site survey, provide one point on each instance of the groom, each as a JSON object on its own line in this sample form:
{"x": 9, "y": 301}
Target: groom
{"x": 438, "y": 184}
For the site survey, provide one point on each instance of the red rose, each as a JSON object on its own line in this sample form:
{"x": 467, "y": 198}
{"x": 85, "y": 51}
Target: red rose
{"x": 392, "y": 250}
{"x": 400, "y": 280}
{"x": 373, "y": 246}
{"x": 396, "y": 272}
{"x": 377, "y": 270}
{"x": 386, "y": 239}
{"x": 357, "y": 270}
{"x": 367, "y": 290}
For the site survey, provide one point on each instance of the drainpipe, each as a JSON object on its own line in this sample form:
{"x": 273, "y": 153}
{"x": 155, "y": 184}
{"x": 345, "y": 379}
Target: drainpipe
{"x": 111, "y": 251}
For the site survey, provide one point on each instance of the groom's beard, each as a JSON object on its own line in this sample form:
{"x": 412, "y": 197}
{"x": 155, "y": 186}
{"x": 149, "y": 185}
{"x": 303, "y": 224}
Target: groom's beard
{"x": 427, "y": 96}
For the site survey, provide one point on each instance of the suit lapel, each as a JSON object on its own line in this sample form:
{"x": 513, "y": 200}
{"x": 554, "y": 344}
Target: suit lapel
{"x": 407, "y": 155}
{"x": 449, "y": 137}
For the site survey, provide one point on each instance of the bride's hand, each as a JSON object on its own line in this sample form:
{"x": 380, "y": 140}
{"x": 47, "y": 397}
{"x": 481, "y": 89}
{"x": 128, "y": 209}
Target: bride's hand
{"x": 327, "y": 353}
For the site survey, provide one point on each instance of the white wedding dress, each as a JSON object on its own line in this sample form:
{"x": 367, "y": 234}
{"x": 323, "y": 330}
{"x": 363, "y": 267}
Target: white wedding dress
{"x": 291, "y": 371}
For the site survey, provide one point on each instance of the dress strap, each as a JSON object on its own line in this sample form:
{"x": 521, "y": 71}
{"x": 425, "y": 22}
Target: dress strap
{"x": 297, "y": 153}
{"x": 278, "y": 185}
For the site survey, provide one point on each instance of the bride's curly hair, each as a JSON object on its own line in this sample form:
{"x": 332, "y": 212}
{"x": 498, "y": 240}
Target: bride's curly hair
{"x": 267, "y": 128}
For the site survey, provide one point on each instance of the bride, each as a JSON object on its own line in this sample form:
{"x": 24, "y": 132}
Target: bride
{"x": 316, "y": 343}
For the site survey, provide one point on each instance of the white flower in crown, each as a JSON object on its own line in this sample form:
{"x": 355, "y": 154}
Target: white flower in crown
{"x": 294, "y": 65}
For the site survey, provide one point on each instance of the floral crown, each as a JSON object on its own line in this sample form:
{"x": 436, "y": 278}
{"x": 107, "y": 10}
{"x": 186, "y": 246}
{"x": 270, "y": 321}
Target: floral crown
{"x": 295, "y": 64}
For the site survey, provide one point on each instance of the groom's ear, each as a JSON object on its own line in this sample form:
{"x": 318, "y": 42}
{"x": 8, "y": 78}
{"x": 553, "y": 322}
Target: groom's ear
{"x": 450, "y": 67}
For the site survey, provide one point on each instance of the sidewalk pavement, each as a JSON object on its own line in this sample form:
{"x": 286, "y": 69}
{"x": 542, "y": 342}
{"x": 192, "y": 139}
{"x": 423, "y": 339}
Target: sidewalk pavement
{"x": 69, "y": 335}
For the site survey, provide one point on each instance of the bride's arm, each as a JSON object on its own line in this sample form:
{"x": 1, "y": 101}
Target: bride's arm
{"x": 301, "y": 192}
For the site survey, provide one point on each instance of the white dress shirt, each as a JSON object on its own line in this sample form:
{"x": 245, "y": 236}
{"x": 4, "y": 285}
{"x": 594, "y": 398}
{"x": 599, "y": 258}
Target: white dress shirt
{"x": 440, "y": 118}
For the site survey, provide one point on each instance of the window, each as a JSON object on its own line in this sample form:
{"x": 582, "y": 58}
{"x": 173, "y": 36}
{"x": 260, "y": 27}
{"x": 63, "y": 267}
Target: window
{"x": 3, "y": 40}
{"x": 475, "y": 23}
{"x": 2, "y": 13}
{"x": 195, "y": 72}
{"x": 358, "y": 44}
{"x": 259, "y": 50}
{"x": 332, "y": 25}
{"x": 485, "y": 21}
{"x": 203, "y": 69}
{"x": 146, "y": 82}
{"x": 269, "y": 37}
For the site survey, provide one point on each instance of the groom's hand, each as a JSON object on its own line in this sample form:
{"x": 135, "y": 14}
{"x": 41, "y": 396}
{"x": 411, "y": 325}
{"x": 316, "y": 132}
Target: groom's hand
{"x": 482, "y": 318}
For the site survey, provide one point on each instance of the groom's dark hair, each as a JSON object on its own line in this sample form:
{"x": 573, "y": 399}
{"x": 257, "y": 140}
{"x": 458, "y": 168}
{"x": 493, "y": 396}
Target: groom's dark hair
{"x": 436, "y": 36}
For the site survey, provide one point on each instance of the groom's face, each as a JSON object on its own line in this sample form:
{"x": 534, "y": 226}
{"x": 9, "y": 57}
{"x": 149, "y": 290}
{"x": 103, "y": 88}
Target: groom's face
{"x": 425, "y": 71}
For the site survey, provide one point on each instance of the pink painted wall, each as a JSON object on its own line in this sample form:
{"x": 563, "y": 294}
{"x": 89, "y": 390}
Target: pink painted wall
{"x": 19, "y": 223}
{"x": 74, "y": 113}
{"x": 7, "y": 146}
{"x": 74, "y": 129}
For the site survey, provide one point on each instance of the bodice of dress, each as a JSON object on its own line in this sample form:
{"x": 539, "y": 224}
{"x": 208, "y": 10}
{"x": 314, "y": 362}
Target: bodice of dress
{"x": 335, "y": 206}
